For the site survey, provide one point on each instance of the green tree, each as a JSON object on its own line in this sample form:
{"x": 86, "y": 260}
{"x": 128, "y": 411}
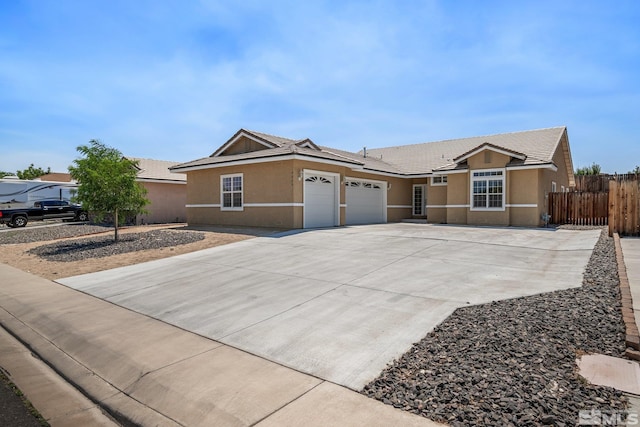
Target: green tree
{"x": 107, "y": 183}
{"x": 636, "y": 170}
{"x": 32, "y": 172}
{"x": 594, "y": 169}
{"x": 3, "y": 174}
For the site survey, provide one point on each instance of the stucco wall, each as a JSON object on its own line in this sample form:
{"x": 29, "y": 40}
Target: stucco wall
{"x": 457, "y": 195}
{"x": 523, "y": 190}
{"x": 436, "y": 201}
{"x": 167, "y": 203}
{"x": 270, "y": 182}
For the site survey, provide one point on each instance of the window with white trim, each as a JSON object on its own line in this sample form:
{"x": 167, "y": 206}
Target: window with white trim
{"x": 554, "y": 187}
{"x": 562, "y": 189}
{"x": 439, "y": 180}
{"x": 231, "y": 192}
{"x": 418, "y": 199}
{"x": 487, "y": 190}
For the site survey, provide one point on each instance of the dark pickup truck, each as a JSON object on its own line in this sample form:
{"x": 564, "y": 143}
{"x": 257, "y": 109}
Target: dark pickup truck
{"x": 44, "y": 209}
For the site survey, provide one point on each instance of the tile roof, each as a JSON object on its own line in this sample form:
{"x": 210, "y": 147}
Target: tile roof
{"x": 285, "y": 150}
{"x": 536, "y": 146}
{"x": 158, "y": 170}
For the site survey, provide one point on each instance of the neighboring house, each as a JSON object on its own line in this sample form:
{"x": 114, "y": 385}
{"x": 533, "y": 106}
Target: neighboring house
{"x": 255, "y": 179}
{"x": 166, "y": 191}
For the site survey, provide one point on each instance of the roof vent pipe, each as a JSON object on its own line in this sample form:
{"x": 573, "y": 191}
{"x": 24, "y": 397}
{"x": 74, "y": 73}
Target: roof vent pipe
{"x": 364, "y": 150}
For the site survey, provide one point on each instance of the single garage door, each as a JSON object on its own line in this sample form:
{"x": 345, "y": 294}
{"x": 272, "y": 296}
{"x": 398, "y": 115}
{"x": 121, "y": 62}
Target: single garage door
{"x": 366, "y": 202}
{"x": 320, "y": 200}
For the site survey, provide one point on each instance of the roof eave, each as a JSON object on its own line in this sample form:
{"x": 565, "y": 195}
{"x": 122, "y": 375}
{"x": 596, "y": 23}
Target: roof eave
{"x": 264, "y": 159}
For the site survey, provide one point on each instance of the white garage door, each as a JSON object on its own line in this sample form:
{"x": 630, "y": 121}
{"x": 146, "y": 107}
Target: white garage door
{"x": 366, "y": 202}
{"x": 320, "y": 201}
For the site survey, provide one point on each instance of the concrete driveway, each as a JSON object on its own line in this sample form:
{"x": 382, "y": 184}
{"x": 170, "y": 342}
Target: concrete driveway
{"x": 341, "y": 303}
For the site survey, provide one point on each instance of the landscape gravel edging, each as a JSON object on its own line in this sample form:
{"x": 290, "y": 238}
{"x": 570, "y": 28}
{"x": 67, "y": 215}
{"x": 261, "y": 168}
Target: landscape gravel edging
{"x": 632, "y": 338}
{"x": 513, "y": 362}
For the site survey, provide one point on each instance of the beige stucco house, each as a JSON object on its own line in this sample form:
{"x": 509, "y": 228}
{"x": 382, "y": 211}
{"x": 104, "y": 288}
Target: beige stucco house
{"x": 255, "y": 179}
{"x": 166, "y": 191}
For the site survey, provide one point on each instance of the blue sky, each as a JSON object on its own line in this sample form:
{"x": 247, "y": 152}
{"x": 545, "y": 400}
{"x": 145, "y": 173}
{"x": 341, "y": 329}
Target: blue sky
{"x": 173, "y": 80}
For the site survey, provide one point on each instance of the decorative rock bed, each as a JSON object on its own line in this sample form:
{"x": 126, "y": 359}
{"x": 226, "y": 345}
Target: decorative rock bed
{"x": 513, "y": 362}
{"x": 103, "y": 246}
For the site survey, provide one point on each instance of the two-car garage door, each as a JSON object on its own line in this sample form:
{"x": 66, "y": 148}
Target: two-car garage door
{"x": 365, "y": 200}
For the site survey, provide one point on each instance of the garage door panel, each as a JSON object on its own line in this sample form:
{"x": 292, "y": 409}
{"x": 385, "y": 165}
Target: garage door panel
{"x": 365, "y": 202}
{"x": 320, "y": 201}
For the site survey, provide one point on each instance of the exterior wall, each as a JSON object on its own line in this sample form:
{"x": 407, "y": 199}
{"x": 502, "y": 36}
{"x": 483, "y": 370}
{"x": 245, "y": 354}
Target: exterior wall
{"x": 500, "y": 218}
{"x": 399, "y": 195}
{"x": 436, "y": 201}
{"x": 269, "y": 182}
{"x": 244, "y": 145}
{"x": 457, "y": 198}
{"x": 167, "y": 203}
{"x": 523, "y": 190}
{"x": 56, "y": 176}
{"x": 488, "y": 159}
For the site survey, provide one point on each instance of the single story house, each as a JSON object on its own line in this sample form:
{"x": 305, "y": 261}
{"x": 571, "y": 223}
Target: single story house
{"x": 256, "y": 179}
{"x": 166, "y": 191}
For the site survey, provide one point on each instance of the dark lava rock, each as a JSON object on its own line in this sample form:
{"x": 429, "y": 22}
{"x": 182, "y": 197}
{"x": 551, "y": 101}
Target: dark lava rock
{"x": 512, "y": 362}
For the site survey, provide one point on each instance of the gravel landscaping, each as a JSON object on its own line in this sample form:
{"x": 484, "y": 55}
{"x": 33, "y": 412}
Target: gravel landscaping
{"x": 104, "y": 246}
{"x": 42, "y": 234}
{"x": 512, "y": 363}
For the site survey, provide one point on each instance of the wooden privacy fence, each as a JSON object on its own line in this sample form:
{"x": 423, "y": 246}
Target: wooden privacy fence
{"x": 624, "y": 208}
{"x": 579, "y": 208}
{"x": 596, "y": 183}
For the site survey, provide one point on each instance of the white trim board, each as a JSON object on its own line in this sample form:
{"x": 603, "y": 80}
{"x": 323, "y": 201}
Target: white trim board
{"x": 447, "y": 206}
{"x": 273, "y": 205}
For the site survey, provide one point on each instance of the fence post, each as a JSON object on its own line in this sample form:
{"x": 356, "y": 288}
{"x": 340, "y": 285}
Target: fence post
{"x": 613, "y": 191}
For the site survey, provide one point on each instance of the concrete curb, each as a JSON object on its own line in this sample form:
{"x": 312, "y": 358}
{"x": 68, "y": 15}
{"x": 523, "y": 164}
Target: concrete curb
{"x": 59, "y": 402}
{"x": 96, "y": 389}
{"x": 632, "y": 335}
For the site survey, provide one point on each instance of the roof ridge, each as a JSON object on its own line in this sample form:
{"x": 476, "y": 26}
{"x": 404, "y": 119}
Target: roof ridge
{"x": 469, "y": 137}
